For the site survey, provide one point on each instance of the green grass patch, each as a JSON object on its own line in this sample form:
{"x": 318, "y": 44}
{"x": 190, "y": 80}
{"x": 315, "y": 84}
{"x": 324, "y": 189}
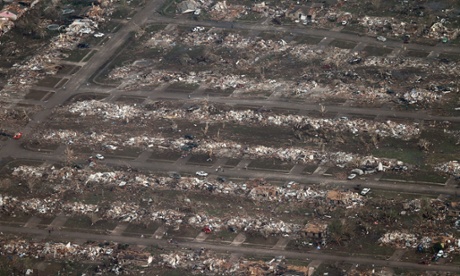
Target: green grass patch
{"x": 66, "y": 69}
{"x": 223, "y": 235}
{"x": 84, "y": 223}
{"x": 250, "y": 17}
{"x": 275, "y": 36}
{"x": 426, "y": 41}
{"x": 77, "y": 55}
{"x": 141, "y": 229}
{"x": 125, "y": 152}
{"x": 89, "y": 56}
{"x": 130, "y": 99}
{"x": 377, "y": 51}
{"x": 418, "y": 176}
{"x": 309, "y": 169}
{"x": 35, "y": 94}
{"x": 19, "y": 219}
{"x": 200, "y": 159}
{"x": 110, "y": 27}
{"x": 335, "y": 171}
{"x": 122, "y": 11}
{"x": 450, "y": 56}
{"x": 182, "y": 87}
{"x": 49, "y": 82}
{"x": 406, "y": 151}
{"x": 270, "y": 164}
{"x": 328, "y": 269}
{"x": 169, "y": 7}
{"x": 417, "y": 53}
{"x": 218, "y": 92}
{"x": 260, "y": 94}
{"x": 85, "y": 97}
{"x": 343, "y": 44}
{"x": 45, "y": 221}
{"x": 153, "y": 28}
{"x": 354, "y": 29}
{"x": 21, "y": 162}
{"x": 232, "y": 162}
{"x": 411, "y": 156}
{"x": 256, "y": 238}
{"x": 78, "y": 222}
{"x": 165, "y": 155}
{"x": 311, "y": 40}
{"x": 184, "y": 231}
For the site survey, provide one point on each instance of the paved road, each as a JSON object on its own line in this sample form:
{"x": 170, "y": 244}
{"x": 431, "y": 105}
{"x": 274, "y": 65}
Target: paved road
{"x": 83, "y": 75}
{"x": 162, "y": 167}
{"x": 306, "y": 31}
{"x": 274, "y": 103}
{"x": 74, "y": 86}
{"x": 316, "y": 255}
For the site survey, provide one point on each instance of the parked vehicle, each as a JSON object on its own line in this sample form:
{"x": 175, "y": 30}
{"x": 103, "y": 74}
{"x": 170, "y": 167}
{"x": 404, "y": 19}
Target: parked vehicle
{"x": 201, "y": 173}
{"x": 351, "y": 176}
{"x": 365, "y": 191}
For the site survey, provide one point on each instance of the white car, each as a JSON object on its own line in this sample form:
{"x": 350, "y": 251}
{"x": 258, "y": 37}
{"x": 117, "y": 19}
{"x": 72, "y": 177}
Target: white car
{"x": 201, "y": 173}
{"x": 365, "y": 191}
{"x": 352, "y": 176}
{"x": 99, "y": 156}
{"x": 381, "y": 38}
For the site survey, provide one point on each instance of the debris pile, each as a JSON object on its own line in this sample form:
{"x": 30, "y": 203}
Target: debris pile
{"x": 131, "y": 212}
{"x": 438, "y": 31}
{"x": 345, "y": 198}
{"x": 120, "y": 258}
{"x": 399, "y": 239}
{"x": 253, "y": 189}
{"x": 394, "y": 27}
{"x": 355, "y": 126}
{"x": 451, "y": 167}
{"x": 106, "y": 110}
{"x": 226, "y": 12}
{"x": 46, "y": 62}
{"x": 202, "y": 261}
{"x": 342, "y": 80}
{"x": 226, "y": 149}
{"x": 81, "y": 27}
{"x": 199, "y": 261}
{"x": 12, "y": 12}
{"x": 406, "y": 240}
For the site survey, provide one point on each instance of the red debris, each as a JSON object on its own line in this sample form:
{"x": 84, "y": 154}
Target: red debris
{"x": 17, "y": 136}
{"x": 207, "y": 229}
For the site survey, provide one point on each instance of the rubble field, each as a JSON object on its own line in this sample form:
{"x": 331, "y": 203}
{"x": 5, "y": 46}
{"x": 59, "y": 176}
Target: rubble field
{"x": 125, "y": 160}
{"x": 220, "y": 131}
{"x": 97, "y": 198}
{"x": 285, "y": 69}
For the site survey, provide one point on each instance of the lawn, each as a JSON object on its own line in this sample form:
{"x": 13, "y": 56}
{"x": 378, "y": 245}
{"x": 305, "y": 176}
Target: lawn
{"x": 181, "y": 87}
{"x": 343, "y": 44}
{"x": 200, "y": 159}
{"x": 311, "y": 40}
{"x": 256, "y": 238}
{"x": 377, "y": 51}
{"x": 270, "y": 164}
{"x": 36, "y": 95}
{"x": 165, "y": 155}
{"x": 49, "y": 82}
{"x": 232, "y": 162}
{"x": 77, "y": 55}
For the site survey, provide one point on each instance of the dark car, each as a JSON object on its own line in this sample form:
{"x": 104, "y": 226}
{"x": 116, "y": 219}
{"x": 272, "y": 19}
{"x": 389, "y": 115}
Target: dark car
{"x": 406, "y": 38}
{"x": 83, "y": 45}
{"x": 189, "y": 136}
